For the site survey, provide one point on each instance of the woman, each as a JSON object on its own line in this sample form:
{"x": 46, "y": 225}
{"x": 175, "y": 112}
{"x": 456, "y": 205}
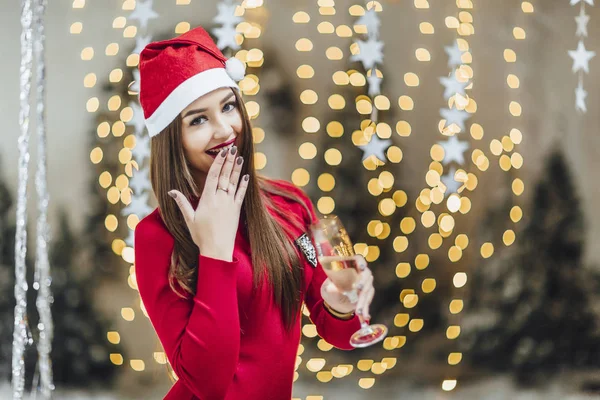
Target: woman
{"x": 217, "y": 267}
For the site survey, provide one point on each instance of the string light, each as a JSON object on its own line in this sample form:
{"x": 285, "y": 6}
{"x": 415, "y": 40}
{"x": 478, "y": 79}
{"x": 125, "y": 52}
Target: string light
{"x": 380, "y": 185}
{"x": 301, "y": 177}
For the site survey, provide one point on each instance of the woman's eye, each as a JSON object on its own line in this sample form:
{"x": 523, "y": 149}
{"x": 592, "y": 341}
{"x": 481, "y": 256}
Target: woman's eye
{"x": 229, "y": 106}
{"x": 196, "y": 120}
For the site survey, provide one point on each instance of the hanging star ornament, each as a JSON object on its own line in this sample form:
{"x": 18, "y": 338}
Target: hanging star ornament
{"x": 141, "y": 42}
{"x": 590, "y": 2}
{"x": 226, "y": 14}
{"x": 370, "y": 53}
{"x": 137, "y": 120}
{"x": 143, "y": 13}
{"x": 140, "y": 181}
{"x": 371, "y": 21}
{"x": 141, "y": 151}
{"x": 452, "y": 186}
{"x": 582, "y": 21}
{"x": 374, "y": 84}
{"x": 452, "y": 86}
{"x": 226, "y": 37}
{"x": 130, "y": 240}
{"x": 581, "y": 57}
{"x": 580, "y": 96}
{"x": 135, "y": 86}
{"x": 376, "y": 147}
{"x": 454, "y": 116}
{"x": 454, "y": 55}
{"x": 454, "y": 149}
{"x": 138, "y": 206}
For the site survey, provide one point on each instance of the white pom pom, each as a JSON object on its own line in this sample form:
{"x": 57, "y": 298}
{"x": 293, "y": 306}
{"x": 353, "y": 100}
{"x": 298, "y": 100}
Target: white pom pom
{"x": 235, "y": 69}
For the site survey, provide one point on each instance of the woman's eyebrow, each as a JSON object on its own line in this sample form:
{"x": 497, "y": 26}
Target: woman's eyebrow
{"x": 199, "y": 110}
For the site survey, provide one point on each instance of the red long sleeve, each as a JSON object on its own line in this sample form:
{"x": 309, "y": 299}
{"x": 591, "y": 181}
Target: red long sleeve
{"x": 335, "y": 331}
{"x": 201, "y": 337}
{"x": 228, "y": 341}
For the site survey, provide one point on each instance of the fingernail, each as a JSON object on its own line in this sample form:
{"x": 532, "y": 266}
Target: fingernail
{"x": 233, "y": 150}
{"x": 239, "y": 161}
{"x": 359, "y": 286}
{"x": 223, "y": 153}
{"x": 246, "y": 177}
{"x": 173, "y": 195}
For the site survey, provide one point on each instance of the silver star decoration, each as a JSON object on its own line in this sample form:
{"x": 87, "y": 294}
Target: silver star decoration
{"x": 582, "y": 21}
{"x": 135, "y": 86}
{"x": 376, "y": 147}
{"x": 454, "y": 149}
{"x": 374, "y": 84}
{"x": 140, "y": 181}
{"x": 590, "y": 2}
{"x": 143, "y": 12}
{"x": 452, "y": 86}
{"x": 580, "y": 96}
{"x": 138, "y": 118}
{"x": 226, "y": 15}
{"x": 141, "y": 151}
{"x": 454, "y": 55}
{"x": 370, "y": 53}
{"x": 141, "y": 42}
{"x": 454, "y": 116}
{"x": 226, "y": 37}
{"x": 581, "y": 57}
{"x": 451, "y": 185}
{"x": 138, "y": 206}
{"x": 371, "y": 21}
{"x": 130, "y": 240}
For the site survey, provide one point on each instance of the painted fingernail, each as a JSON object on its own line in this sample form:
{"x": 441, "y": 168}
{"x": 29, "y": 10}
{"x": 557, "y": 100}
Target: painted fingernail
{"x": 173, "y": 195}
{"x": 224, "y": 152}
{"x": 233, "y": 150}
{"x": 239, "y": 161}
{"x": 246, "y": 177}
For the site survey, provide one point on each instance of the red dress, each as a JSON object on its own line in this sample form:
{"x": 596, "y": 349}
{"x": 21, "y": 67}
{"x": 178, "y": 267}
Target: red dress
{"x": 225, "y": 342}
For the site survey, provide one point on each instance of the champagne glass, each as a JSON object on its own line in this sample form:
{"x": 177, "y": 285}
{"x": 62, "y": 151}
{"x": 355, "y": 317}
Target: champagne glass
{"x": 342, "y": 266}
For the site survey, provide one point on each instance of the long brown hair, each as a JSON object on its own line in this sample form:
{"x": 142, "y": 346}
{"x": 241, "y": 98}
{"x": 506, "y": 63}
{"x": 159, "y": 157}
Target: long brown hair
{"x": 273, "y": 251}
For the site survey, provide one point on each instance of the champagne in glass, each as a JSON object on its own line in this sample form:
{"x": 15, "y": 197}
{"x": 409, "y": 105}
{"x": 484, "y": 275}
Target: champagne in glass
{"x": 343, "y": 273}
{"x": 342, "y": 266}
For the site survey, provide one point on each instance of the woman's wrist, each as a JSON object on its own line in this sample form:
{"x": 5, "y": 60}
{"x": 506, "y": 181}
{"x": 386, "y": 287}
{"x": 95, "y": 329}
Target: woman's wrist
{"x": 226, "y": 255}
{"x": 337, "y": 314}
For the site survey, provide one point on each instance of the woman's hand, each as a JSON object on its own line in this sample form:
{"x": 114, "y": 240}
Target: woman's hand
{"x": 340, "y": 302}
{"x": 213, "y": 224}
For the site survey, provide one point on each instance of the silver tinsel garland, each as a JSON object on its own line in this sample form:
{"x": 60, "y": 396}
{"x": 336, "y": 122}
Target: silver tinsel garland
{"x": 20, "y": 335}
{"x": 32, "y": 39}
{"x": 42, "y": 279}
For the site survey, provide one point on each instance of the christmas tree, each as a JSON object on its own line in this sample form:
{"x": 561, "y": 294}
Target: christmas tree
{"x": 530, "y": 308}
{"x": 79, "y": 349}
{"x": 80, "y": 352}
{"x": 7, "y": 279}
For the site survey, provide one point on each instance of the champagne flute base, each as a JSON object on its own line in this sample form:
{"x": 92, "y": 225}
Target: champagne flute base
{"x": 369, "y": 335}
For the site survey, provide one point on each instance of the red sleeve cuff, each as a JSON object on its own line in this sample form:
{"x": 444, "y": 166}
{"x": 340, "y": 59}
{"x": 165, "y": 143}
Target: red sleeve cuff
{"x": 214, "y": 275}
{"x": 335, "y": 331}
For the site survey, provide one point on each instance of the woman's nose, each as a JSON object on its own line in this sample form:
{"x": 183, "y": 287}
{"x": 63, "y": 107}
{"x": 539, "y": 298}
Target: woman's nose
{"x": 223, "y": 129}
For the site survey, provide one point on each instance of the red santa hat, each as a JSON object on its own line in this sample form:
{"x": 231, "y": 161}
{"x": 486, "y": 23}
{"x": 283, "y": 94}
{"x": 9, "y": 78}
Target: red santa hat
{"x": 175, "y": 72}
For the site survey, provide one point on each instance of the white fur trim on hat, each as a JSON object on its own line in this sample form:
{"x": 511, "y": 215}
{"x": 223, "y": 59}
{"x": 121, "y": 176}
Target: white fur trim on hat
{"x": 235, "y": 68}
{"x": 184, "y": 94}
